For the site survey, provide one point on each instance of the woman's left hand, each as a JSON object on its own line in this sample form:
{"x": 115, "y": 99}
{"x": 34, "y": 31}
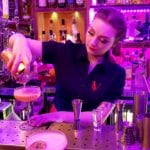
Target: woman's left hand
{"x": 39, "y": 120}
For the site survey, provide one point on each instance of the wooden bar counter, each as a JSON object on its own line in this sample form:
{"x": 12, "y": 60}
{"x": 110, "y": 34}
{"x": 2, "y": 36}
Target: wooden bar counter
{"x": 12, "y": 137}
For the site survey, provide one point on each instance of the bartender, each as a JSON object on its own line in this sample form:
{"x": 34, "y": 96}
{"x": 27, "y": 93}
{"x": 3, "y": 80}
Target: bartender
{"x": 86, "y": 71}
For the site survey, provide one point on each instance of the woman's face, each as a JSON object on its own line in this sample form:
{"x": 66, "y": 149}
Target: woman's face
{"x": 100, "y": 38}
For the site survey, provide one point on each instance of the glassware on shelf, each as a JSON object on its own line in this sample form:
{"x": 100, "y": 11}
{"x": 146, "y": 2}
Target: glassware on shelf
{"x": 42, "y": 3}
{"x": 27, "y": 94}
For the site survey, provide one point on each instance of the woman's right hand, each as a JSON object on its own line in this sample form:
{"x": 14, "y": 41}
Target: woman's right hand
{"x": 21, "y": 53}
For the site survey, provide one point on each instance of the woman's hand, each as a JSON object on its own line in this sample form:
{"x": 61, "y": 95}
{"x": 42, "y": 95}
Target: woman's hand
{"x": 21, "y": 53}
{"x": 60, "y": 116}
{"x": 39, "y": 120}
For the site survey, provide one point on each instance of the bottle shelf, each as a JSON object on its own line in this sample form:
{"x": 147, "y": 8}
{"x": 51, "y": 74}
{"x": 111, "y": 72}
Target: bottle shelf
{"x": 120, "y": 6}
{"x": 60, "y": 9}
{"x": 133, "y": 44}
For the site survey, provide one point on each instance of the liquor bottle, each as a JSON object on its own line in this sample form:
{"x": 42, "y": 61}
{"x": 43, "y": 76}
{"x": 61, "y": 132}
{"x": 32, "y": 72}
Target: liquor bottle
{"x": 127, "y": 64}
{"x": 52, "y": 35}
{"x": 135, "y": 63}
{"x": 146, "y": 27}
{"x": 110, "y": 1}
{"x": 42, "y": 3}
{"x": 101, "y": 1}
{"x": 5, "y": 9}
{"x": 74, "y": 30}
{"x": 79, "y": 3}
{"x": 63, "y": 31}
{"x": 52, "y": 3}
{"x": 78, "y": 40}
{"x": 61, "y": 3}
{"x": 25, "y": 16}
{"x": 43, "y": 38}
{"x": 70, "y": 3}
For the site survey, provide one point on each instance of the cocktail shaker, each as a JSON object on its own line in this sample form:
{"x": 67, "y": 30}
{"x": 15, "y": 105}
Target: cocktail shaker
{"x": 128, "y": 135}
{"x": 6, "y": 54}
{"x": 140, "y": 103}
{"x": 146, "y": 132}
{"x": 77, "y": 106}
{"x": 139, "y": 128}
{"x": 20, "y": 76}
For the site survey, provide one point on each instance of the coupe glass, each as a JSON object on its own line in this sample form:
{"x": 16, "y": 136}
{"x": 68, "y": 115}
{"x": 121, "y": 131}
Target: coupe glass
{"x": 27, "y": 94}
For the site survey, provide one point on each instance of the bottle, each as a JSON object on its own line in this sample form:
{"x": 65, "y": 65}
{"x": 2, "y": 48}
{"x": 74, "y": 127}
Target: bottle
{"x": 31, "y": 27}
{"x": 25, "y": 8}
{"x": 43, "y": 38}
{"x": 101, "y": 1}
{"x": 42, "y": 3}
{"x": 78, "y": 40}
{"x": 61, "y": 3}
{"x": 51, "y": 35}
{"x": 63, "y": 32}
{"x": 5, "y": 9}
{"x": 135, "y": 63}
{"x": 70, "y": 3}
{"x": 79, "y": 3}
{"x": 146, "y": 27}
{"x": 52, "y": 3}
{"x": 74, "y": 30}
{"x": 127, "y": 64}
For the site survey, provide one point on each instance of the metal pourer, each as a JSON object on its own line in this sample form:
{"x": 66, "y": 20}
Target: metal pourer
{"x": 77, "y": 106}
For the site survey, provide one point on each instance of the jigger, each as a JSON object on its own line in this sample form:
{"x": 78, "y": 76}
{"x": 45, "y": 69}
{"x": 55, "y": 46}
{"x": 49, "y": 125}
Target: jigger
{"x": 77, "y": 106}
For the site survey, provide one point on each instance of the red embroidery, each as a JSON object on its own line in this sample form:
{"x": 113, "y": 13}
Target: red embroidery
{"x": 94, "y": 86}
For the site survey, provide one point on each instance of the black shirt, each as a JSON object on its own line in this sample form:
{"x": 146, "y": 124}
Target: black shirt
{"x": 73, "y": 80}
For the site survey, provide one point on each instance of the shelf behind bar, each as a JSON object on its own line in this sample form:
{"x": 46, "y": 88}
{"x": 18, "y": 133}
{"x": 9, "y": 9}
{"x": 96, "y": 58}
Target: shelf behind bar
{"x": 136, "y": 44}
{"x": 59, "y": 9}
{"x": 123, "y": 6}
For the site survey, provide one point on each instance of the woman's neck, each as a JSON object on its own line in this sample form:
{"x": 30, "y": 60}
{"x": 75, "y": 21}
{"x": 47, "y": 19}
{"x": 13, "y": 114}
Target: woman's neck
{"x": 95, "y": 59}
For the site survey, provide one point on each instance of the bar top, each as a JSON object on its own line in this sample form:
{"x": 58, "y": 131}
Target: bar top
{"x": 86, "y": 138}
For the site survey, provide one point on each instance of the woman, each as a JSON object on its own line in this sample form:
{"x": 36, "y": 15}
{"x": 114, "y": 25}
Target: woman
{"x": 82, "y": 71}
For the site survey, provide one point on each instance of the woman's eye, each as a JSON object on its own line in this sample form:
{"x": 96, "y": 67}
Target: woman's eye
{"x": 104, "y": 41}
{"x": 91, "y": 33}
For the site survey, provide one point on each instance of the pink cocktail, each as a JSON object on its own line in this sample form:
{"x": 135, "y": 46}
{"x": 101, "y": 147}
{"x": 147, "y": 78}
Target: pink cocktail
{"x": 27, "y": 94}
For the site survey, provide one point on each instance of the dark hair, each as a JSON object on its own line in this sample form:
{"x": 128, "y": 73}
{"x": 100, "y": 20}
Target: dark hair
{"x": 115, "y": 18}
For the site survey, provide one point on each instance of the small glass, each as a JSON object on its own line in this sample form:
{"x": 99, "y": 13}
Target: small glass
{"x": 97, "y": 119}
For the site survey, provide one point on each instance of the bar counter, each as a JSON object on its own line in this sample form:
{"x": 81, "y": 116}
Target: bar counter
{"x": 12, "y": 137}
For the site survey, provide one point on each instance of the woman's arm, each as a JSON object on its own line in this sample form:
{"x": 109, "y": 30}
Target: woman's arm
{"x": 23, "y": 50}
{"x": 65, "y": 116}
{"x": 61, "y": 116}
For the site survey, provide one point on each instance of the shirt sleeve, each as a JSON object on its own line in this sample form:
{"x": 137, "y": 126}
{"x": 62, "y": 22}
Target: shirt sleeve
{"x": 51, "y": 51}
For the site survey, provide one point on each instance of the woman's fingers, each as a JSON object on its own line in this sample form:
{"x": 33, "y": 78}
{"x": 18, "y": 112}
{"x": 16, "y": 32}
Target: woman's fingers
{"x": 38, "y": 120}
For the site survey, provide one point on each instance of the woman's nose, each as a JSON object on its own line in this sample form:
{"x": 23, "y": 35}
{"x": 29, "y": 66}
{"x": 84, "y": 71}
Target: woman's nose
{"x": 94, "y": 41}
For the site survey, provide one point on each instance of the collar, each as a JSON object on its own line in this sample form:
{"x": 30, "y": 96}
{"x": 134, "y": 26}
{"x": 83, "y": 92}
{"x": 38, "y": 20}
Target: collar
{"x": 106, "y": 64}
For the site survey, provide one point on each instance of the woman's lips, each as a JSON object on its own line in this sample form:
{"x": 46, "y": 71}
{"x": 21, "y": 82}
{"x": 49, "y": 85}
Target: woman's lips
{"x": 92, "y": 48}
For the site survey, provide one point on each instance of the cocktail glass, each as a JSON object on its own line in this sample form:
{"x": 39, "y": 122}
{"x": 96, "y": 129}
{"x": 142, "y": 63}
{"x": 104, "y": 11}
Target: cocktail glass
{"x": 27, "y": 94}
